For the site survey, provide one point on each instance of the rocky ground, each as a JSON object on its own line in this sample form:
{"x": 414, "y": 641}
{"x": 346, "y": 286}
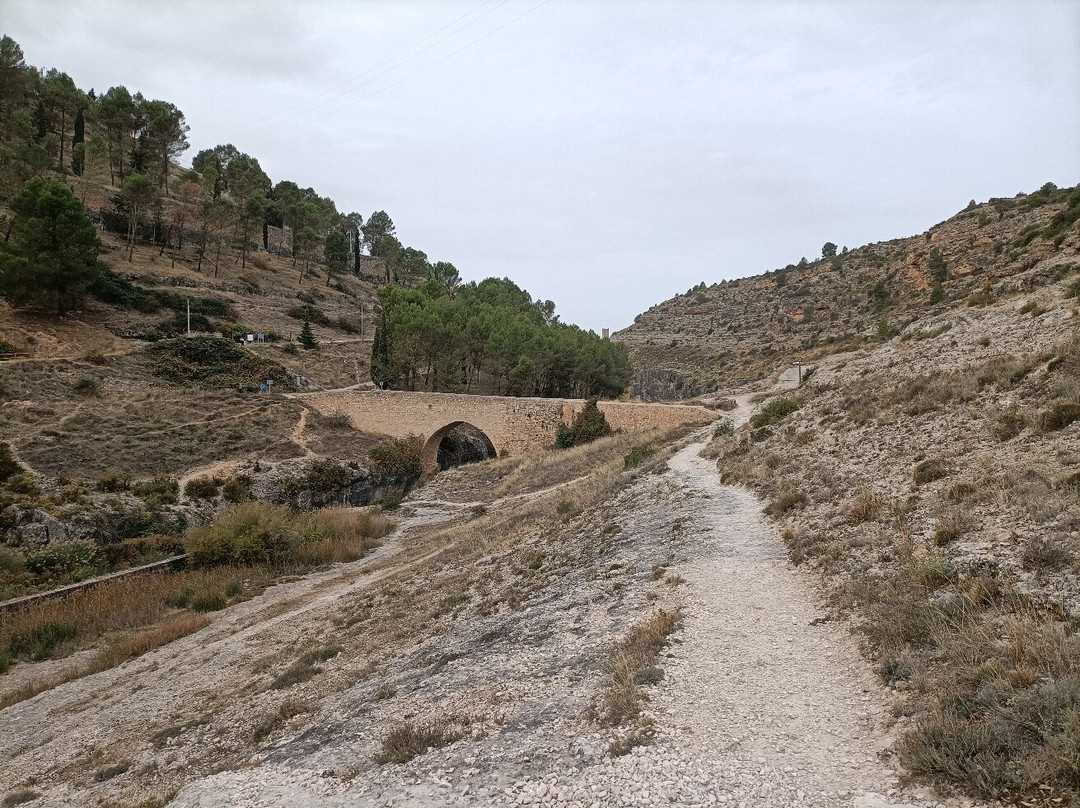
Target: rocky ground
{"x": 761, "y": 702}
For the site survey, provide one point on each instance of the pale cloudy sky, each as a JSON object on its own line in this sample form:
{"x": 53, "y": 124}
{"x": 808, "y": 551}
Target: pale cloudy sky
{"x": 607, "y": 154}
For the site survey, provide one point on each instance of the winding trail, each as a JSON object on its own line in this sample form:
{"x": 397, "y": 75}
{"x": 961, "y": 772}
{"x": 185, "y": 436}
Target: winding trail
{"x": 763, "y": 705}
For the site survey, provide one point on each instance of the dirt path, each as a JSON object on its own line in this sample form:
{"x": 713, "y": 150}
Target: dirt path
{"x": 297, "y": 435}
{"x": 759, "y": 704}
{"x": 770, "y": 708}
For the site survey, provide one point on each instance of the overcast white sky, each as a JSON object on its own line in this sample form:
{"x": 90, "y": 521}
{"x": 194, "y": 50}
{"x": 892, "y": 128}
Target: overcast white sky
{"x": 607, "y": 155}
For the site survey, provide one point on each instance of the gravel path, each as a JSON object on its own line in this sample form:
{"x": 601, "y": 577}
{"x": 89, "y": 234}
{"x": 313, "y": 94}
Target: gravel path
{"x": 762, "y": 704}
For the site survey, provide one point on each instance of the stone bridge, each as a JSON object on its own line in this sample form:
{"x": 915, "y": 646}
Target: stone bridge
{"x": 513, "y": 425}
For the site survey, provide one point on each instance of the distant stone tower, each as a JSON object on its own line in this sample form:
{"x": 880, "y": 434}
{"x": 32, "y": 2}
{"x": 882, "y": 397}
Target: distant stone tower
{"x": 605, "y": 333}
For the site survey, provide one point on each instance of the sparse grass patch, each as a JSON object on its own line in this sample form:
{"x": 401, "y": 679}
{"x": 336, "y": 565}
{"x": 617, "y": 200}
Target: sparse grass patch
{"x": 1059, "y": 414}
{"x": 952, "y": 524}
{"x": 1046, "y": 554}
{"x": 1008, "y": 423}
{"x": 109, "y": 772}
{"x": 621, "y": 700}
{"x": 275, "y": 720}
{"x": 19, "y": 797}
{"x": 306, "y": 666}
{"x": 929, "y": 470}
{"x": 866, "y": 508}
{"x": 787, "y": 499}
{"x": 409, "y": 740}
{"x": 638, "y": 455}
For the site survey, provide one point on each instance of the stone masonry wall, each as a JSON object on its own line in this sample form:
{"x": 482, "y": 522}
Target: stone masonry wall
{"x": 514, "y": 425}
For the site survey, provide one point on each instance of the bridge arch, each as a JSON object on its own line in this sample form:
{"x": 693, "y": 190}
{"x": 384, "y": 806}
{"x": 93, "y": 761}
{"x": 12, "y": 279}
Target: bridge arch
{"x": 429, "y": 457}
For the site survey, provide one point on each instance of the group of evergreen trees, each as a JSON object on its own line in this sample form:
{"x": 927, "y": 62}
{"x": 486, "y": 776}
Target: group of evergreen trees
{"x": 442, "y": 335}
{"x": 489, "y": 337}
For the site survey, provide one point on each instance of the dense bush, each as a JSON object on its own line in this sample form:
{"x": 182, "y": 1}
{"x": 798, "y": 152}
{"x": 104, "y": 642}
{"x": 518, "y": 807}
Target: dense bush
{"x": 399, "y": 458}
{"x": 248, "y": 533}
{"x": 116, "y": 290}
{"x": 213, "y": 362}
{"x": 202, "y": 487}
{"x": 161, "y": 490}
{"x": 774, "y": 412}
{"x": 588, "y": 425}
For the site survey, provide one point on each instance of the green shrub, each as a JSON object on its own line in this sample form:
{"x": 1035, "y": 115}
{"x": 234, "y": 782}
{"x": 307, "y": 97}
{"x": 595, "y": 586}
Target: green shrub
{"x": 161, "y": 490}
{"x": 238, "y": 489}
{"x": 774, "y": 412}
{"x": 208, "y": 601}
{"x": 113, "y": 480}
{"x": 588, "y": 425}
{"x": 391, "y": 500}
{"x": 309, "y": 313}
{"x": 638, "y": 455}
{"x": 248, "y": 533}
{"x": 11, "y": 560}
{"x": 24, "y": 484}
{"x": 325, "y": 479}
{"x": 202, "y": 487}
{"x": 399, "y": 458}
{"x": 140, "y": 550}
{"x": 66, "y": 559}
{"x": 723, "y": 429}
{"x": 41, "y": 641}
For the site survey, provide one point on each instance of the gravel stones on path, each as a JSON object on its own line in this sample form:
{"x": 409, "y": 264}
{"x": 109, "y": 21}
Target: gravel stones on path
{"x": 762, "y": 702}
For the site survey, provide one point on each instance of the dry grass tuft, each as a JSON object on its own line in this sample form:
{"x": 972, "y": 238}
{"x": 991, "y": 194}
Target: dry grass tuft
{"x": 632, "y": 664}
{"x": 408, "y": 740}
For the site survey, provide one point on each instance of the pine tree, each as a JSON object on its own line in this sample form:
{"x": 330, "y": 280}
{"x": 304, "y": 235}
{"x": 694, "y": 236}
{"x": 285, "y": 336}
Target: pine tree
{"x": 51, "y": 257}
{"x": 307, "y": 339}
{"x": 77, "y": 141}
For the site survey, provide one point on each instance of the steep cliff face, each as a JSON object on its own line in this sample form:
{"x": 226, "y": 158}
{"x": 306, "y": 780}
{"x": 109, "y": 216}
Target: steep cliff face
{"x": 736, "y": 331}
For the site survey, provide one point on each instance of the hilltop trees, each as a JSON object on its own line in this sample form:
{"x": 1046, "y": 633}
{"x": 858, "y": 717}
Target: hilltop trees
{"x": 489, "y": 336}
{"x": 51, "y": 257}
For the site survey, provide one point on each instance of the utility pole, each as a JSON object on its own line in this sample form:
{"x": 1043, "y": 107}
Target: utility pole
{"x": 189, "y": 316}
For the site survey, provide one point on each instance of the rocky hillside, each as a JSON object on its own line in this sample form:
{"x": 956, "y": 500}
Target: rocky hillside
{"x": 736, "y": 331}
{"x": 932, "y": 481}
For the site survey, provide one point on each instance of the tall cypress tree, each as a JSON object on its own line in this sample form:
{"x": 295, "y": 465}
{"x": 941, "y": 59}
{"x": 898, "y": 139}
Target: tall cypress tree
{"x": 77, "y": 140}
{"x": 380, "y": 354}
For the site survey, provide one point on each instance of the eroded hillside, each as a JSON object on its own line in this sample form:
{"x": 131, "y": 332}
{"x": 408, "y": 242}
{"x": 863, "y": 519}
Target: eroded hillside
{"x": 736, "y": 331}
{"x": 932, "y": 482}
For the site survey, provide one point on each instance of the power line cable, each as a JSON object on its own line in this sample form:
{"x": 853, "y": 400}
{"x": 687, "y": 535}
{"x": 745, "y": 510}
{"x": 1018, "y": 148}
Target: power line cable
{"x": 345, "y": 88}
{"x": 414, "y": 73}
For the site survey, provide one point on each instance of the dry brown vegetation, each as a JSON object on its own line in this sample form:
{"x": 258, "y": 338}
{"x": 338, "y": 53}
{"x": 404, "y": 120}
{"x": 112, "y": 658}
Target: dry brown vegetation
{"x": 953, "y": 551}
{"x": 130, "y": 616}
